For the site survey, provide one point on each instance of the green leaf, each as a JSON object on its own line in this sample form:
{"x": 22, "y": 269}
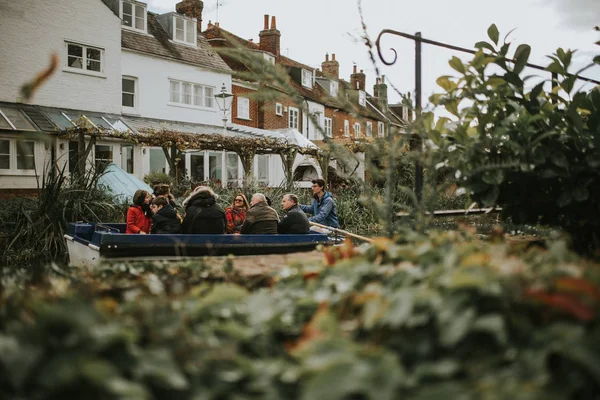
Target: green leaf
{"x": 597, "y": 60}
{"x": 457, "y": 65}
{"x": 445, "y": 83}
{"x": 17, "y": 359}
{"x": 495, "y": 81}
{"x": 159, "y": 367}
{"x": 559, "y": 159}
{"x": 521, "y": 57}
{"x": 495, "y": 177}
{"x": 457, "y": 328}
{"x": 564, "y": 199}
{"x": 494, "y": 325}
{"x": 581, "y": 193}
{"x": 493, "y": 33}
{"x": 484, "y": 45}
{"x": 490, "y": 196}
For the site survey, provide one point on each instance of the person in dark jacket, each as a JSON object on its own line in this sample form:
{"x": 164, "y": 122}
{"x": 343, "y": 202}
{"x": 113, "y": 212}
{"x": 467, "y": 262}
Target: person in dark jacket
{"x": 295, "y": 220}
{"x": 139, "y": 215}
{"x": 322, "y": 206}
{"x": 260, "y": 218}
{"x": 202, "y": 213}
{"x": 164, "y": 190}
{"x": 165, "y": 218}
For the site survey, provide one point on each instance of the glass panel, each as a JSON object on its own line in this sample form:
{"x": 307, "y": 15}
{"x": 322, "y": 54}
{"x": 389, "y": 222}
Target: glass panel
{"x": 18, "y": 119}
{"x": 93, "y": 60}
{"x": 127, "y": 13}
{"x": 128, "y": 100}
{"x": 99, "y": 122}
{"x": 175, "y": 95}
{"x": 189, "y": 27}
{"x": 139, "y": 17}
{"x": 25, "y": 155}
{"x": 197, "y": 95}
{"x": 128, "y": 85}
{"x": 4, "y": 154}
{"x": 73, "y": 156}
{"x": 263, "y": 168}
{"x": 60, "y": 120}
{"x": 187, "y": 93}
{"x": 127, "y": 159}
{"x": 215, "y": 166}
{"x": 157, "y": 160}
{"x": 232, "y": 167}
{"x": 103, "y": 156}
{"x": 75, "y": 56}
{"x": 208, "y": 97}
{"x": 179, "y": 33}
{"x": 4, "y": 124}
{"x": 197, "y": 167}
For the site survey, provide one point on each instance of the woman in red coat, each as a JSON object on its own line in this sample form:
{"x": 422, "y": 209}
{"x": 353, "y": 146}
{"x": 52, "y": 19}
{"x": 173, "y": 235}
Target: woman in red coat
{"x": 139, "y": 216}
{"x": 236, "y": 214}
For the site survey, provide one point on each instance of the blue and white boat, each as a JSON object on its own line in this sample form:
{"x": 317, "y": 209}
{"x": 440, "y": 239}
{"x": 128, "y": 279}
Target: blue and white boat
{"x": 89, "y": 243}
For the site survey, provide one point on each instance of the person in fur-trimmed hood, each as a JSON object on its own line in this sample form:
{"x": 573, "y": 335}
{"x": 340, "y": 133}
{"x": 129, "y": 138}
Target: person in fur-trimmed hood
{"x": 202, "y": 213}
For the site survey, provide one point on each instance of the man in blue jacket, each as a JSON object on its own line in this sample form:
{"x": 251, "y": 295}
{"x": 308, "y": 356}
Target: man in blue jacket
{"x": 322, "y": 207}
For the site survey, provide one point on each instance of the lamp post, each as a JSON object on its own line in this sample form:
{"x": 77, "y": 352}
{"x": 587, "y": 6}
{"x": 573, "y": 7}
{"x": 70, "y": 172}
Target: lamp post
{"x": 224, "y": 99}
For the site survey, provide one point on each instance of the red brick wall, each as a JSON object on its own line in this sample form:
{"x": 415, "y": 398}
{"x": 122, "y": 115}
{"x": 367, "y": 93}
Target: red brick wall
{"x": 254, "y": 117}
{"x": 338, "y": 124}
{"x": 270, "y": 120}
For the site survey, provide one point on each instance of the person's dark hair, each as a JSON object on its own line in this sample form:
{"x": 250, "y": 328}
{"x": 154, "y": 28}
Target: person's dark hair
{"x": 139, "y": 197}
{"x": 319, "y": 182}
{"x": 292, "y": 197}
{"x": 160, "y": 201}
{"x": 269, "y": 202}
{"x": 161, "y": 189}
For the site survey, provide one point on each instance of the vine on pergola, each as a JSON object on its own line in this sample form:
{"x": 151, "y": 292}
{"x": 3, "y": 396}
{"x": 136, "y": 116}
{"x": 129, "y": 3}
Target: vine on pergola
{"x": 174, "y": 143}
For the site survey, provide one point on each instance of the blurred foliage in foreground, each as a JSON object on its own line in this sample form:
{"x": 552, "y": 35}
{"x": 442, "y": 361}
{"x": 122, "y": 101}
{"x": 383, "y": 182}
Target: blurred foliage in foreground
{"x": 437, "y": 317}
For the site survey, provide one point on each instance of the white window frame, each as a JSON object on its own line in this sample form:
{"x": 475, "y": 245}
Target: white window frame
{"x": 267, "y": 159}
{"x": 293, "y": 118}
{"x": 134, "y": 6}
{"x": 186, "y": 22}
{"x": 135, "y": 93}
{"x": 83, "y": 70}
{"x": 356, "y": 130}
{"x": 243, "y": 108}
{"x": 279, "y": 109}
{"x": 405, "y": 113}
{"x": 193, "y": 86}
{"x": 369, "y": 129}
{"x": 327, "y": 126}
{"x": 346, "y": 128}
{"x": 380, "y": 129}
{"x": 12, "y": 160}
{"x": 307, "y": 78}
{"x": 362, "y": 98}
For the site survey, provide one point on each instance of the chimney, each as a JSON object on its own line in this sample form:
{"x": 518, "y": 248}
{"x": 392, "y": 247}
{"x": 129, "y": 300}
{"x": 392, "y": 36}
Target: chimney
{"x": 193, "y": 9}
{"x": 357, "y": 80}
{"x": 331, "y": 68}
{"x": 270, "y": 37}
{"x": 380, "y": 92}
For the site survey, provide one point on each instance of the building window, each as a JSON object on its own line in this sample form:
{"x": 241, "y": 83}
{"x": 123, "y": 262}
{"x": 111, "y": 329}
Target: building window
{"x": 127, "y": 158}
{"x": 346, "y": 128}
{"x": 362, "y": 98}
{"x": 17, "y": 156}
{"x": 14, "y": 119}
{"x": 405, "y": 114}
{"x": 84, "y": 58}
{"x": 103, "y": 155}
{"x": 262, "y": 169}
{"x": 191, "y": 94}
{"x": 307, "y": 78}
{"x": 333, "y": 89}
{"x": 184, "y": 30}
{"x": 158, "y": 161}
{"x": 327, "y": 126}
{"x": 243, "y": 108}
{"x": 128, "y": 92}
{"x": 232, "y": 168}
{"x": 369, "y": 129}
{"x": 380, "y": 129}
{"x": 133, "y": 15}
{"x": 293, "y": 117}
{"x": 356, "y": 130}
{"x": 215, "y": 167}
{"x": 278, "y": 109}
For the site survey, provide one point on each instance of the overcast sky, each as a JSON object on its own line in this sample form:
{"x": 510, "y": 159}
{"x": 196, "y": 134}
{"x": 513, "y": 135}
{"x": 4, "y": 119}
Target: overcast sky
{"x": 311, "y": 28}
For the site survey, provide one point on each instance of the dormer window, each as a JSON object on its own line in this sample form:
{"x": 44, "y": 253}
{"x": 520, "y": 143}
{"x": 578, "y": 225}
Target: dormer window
{"x": 307, "y": 77}
{"x": 362, "y": 98}
{"x": 133, "y": 15}
{"x": 184, "y": 30}
{"x": 269, "y": 58}
{"x": 333, "y": 91}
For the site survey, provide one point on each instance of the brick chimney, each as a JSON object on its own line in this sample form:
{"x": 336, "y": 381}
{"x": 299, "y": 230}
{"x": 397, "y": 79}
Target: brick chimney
{"x": 331, "y": 68}
{"x": 357, "y": 80}
{"x": 193, "y": 9}
{"x": 380, "y": 92}
{"x": 270, "y": 37}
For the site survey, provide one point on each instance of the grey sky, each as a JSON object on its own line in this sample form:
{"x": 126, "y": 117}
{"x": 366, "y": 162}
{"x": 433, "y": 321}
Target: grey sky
{"x": 311, "y": 28}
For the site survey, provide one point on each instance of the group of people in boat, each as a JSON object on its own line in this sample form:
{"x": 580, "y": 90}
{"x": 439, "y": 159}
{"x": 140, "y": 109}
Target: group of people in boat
{"x": 157, "y": 213}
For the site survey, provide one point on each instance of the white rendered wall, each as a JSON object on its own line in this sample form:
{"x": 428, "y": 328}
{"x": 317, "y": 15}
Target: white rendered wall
{"x": 31, "y": 30}
{"x": 153, "y": 74}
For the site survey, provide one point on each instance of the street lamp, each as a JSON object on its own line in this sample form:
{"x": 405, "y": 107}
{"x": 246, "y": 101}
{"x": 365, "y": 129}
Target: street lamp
{"x": 224, "y": 99}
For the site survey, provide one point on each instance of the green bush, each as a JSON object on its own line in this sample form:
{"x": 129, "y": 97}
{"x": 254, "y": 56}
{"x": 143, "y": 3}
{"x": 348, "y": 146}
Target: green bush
{"x": 534, "y": 153}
